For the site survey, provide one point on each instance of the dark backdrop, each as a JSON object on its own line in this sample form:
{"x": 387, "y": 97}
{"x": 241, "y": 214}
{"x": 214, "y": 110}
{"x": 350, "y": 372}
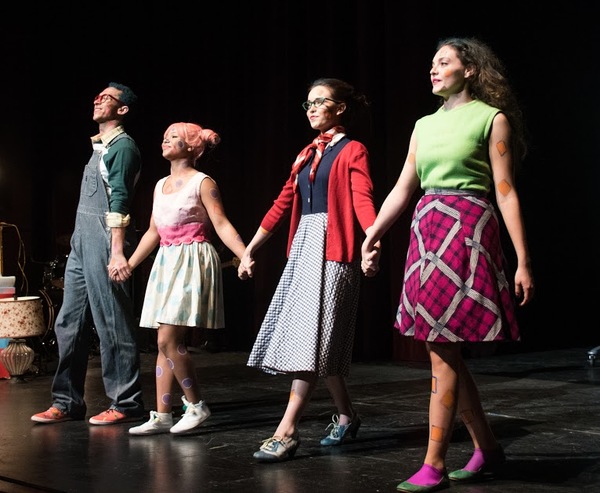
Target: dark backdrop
{"x": 242, "y": 69}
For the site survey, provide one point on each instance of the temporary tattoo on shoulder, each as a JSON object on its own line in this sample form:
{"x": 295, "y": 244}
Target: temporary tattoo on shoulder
{"x": 214, "y": 193}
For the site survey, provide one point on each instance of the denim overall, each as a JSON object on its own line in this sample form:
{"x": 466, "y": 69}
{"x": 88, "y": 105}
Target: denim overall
{"x": 91, "y": 300}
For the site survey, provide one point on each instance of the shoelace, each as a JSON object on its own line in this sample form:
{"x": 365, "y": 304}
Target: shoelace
{"x": 271, "y": 443}
{"x": 335, "y": 432}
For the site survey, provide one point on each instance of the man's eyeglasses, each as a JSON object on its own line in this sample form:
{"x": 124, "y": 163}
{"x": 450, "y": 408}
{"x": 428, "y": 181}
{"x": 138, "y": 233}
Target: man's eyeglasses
{"x": 317, "y": 103}
{"x": 103, "y": 98}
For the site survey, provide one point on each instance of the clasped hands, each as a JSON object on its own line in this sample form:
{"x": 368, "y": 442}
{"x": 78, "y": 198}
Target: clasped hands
{"x": 119, "y": 269}
{"x": 370, "y": 258}
{"x": 246, "y": 267}
{"x": 369, "y": 264}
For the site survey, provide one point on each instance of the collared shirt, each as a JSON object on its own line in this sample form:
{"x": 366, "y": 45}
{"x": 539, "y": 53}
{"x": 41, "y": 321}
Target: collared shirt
{"x": 120, "y": 167}
{"x": 105, "y": 138}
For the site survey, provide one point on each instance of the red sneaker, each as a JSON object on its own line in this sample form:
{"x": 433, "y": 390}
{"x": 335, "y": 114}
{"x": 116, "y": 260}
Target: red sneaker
{"x": 111, "y": 417}
{"x": 52, "y": 415}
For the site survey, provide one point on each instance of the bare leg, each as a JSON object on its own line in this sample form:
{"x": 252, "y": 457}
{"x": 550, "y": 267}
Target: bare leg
{"x": 174, "y": 363}
{"x": 301, "y": 391}
{"x": 445, "y": 364}
{"x": 164, "y": 385}
{"x": 452, "y": 389}
{"x": 471, "y": 412}
{"x": 488, "y": 455}
{"x": 341, "y": 398}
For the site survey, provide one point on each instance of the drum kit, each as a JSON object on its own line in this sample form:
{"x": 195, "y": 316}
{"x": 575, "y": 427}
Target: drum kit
{"x": 53, "y": 283}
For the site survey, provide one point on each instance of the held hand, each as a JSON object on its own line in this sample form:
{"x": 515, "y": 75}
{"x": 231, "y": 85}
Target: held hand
{"x": 370, "y": 258}
{"x": 246, "y": 267}
{"x": 119, "y": 269}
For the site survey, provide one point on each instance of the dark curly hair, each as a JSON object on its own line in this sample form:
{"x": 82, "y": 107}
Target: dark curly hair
{"x": 490, "y": 85}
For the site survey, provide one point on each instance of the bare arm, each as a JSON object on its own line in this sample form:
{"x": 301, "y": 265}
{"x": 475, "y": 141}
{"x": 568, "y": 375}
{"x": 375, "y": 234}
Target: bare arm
{"x": 391, "y": 209}
{"x": 246, "y": 266}
{"x": 507, "y": 199}
{"x": 211, "y": 198}
{"x": 147, "y": 244}
{"x": 117, "y": 265}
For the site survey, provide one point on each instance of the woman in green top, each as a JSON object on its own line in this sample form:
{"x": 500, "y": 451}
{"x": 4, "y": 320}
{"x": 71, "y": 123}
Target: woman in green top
{"x": 455, "y": 289}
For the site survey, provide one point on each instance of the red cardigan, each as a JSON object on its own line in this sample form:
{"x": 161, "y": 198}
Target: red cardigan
{"x": 350, "y": 205}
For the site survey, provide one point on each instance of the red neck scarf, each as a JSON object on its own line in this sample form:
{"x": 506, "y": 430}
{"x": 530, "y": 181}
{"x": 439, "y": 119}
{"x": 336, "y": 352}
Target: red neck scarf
{"x": 316, "y": 147}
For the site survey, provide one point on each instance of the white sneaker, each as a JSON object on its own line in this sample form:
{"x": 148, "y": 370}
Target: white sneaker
{"x": 156, "y": 424}
{"x": 195, "y": 415}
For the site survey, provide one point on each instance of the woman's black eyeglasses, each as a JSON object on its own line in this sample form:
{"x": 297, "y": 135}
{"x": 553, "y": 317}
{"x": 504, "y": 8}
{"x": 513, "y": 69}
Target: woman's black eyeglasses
{"x": 317, "y": 103}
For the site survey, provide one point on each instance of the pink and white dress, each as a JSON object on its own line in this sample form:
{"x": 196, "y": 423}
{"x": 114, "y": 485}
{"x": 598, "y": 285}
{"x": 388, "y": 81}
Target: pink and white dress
{"x": 185, "y": 286}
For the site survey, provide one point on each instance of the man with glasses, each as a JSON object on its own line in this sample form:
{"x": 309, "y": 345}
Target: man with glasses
{"x": 103, "y": 238}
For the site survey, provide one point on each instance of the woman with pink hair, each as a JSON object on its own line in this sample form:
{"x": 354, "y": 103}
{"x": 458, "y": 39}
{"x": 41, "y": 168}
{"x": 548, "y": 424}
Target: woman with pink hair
{"x": 185, "y": 287}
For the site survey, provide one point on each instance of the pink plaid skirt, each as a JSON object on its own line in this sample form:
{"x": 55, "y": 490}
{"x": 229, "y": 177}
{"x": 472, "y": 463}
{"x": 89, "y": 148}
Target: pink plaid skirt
{"x": 455, "y": 286}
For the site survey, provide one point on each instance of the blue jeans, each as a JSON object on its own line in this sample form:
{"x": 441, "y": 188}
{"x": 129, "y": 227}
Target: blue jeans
{"x": 92, "y": 300}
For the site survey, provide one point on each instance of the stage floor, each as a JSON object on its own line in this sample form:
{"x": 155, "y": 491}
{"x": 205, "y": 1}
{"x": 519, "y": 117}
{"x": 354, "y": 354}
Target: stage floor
{"x": 544, "y": 408}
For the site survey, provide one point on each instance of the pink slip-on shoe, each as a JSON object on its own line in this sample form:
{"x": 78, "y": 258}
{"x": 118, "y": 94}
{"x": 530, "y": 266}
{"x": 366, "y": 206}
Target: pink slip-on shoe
{"x": 51, "y": 415}
{"x": 111, "y": 417}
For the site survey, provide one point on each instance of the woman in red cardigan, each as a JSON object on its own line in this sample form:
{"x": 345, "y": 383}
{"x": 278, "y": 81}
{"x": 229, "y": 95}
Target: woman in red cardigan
{"x": 308, "y": 330}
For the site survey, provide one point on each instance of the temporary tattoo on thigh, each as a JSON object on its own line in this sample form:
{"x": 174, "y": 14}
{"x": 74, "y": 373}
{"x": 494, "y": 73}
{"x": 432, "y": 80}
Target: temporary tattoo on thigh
{"x": 504, "y": 187}
{"x": 159, "y": 371}
{"x": 437, "y": 433}
{"x": 181, "y": 349}
{"x": 170, "y": 363}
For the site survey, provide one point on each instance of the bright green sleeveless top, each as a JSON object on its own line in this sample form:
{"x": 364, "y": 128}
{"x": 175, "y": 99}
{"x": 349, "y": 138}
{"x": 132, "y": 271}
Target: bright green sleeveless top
{"x": 452, "y": 147}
